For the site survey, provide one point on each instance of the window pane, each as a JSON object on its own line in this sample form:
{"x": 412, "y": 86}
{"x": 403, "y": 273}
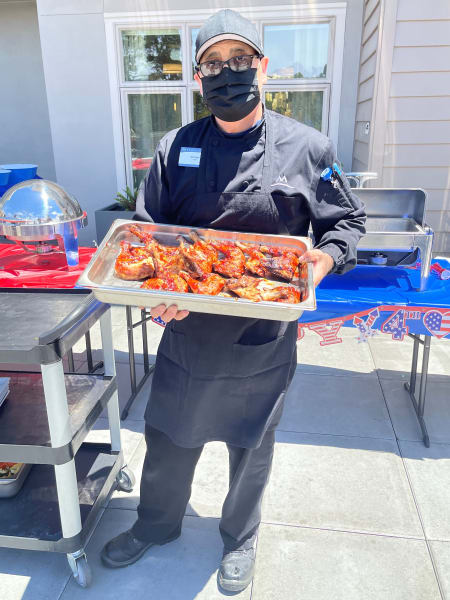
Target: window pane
{"x": 306, "y": 107}
{"x": 297, "y": 51}
{"x": 152, "y": 55}
{"x": 194, "y": 33}
{"x": 151, "y": 116}
{"x": 200, "y": 109}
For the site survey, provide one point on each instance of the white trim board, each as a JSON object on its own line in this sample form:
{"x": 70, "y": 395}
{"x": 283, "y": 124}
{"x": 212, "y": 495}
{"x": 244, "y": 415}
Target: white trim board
{"x": 114, "y": 21}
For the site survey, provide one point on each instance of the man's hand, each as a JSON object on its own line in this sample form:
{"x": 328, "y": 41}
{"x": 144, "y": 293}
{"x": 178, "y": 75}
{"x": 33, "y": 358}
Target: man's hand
{"x": 321, "y": 261}
{"x": 168, "y": 313}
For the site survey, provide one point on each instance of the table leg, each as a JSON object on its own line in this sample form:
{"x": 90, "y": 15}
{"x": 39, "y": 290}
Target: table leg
{"x": 148, "y": 370}
{"x": 419, "y": 406}
{"x": 144, "y": 340}
{"x": 70, "y": 361}
{"x": 412, "y": 381}
{"x": 110, "y": 370}
{"x": 60, "y": 435}
{"x": 89, "y": 352}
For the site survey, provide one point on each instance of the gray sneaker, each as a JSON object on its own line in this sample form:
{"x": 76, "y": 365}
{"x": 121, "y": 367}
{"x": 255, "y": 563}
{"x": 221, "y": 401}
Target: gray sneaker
{"x": 236, "y": 569}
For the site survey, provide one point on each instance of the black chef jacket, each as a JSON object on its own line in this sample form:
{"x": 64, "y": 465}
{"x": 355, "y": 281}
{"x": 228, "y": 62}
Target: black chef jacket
{"x": 222, "y": 377}
{"x": 234, "y": 164}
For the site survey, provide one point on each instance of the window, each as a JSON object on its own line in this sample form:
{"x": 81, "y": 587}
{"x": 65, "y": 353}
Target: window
{"x": 152, "y": 66}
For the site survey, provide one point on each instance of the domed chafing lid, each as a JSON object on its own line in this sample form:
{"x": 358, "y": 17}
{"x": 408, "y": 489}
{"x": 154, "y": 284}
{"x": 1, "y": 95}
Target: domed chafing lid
{"x": 38, "y": 202}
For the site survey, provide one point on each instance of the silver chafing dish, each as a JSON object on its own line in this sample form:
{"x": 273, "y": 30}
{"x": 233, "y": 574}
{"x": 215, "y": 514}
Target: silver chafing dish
{"x": 37, "y": 211}
{"x": 396, "y": 229}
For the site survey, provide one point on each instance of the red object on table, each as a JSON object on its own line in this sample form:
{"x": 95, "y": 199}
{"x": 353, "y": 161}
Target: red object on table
{"x": 141, "y": 164}
{"x": 22, "y": 269}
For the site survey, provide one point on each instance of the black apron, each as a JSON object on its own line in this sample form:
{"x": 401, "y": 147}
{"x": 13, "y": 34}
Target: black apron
{"x": 222, "y": 377}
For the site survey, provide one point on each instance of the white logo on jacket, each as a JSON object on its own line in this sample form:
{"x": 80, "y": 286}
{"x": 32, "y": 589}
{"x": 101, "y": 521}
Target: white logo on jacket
{"x": 282, "y": 181}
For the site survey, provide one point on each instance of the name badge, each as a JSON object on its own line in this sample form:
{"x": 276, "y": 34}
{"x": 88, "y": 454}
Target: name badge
{"x": 189, "y": 157}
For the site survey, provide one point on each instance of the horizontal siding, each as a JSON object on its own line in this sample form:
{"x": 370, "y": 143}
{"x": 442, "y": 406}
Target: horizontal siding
{"x": 438, "y": 200}
{"x": 361, "y": 152}
{"x": 369, "y": 8}
{"x": 421, "y": 10}
{"x": 422, "y": 33}
{"x": 368, "y": 68}
{"x": 418, "y": 155}
{"x": 419, "y": 109}
{"x": 369, "y": 47}
{"x": 417, "y": 138}
{"x": 436, "y": 178}
{"x": 364, "y": 111}
{"x": 366, "y": 89}
{"x": 421, "y": 84}
{"x": 417, "y": 132}
{"x": 371, "y": 24}
{"x": 421, "y": 58}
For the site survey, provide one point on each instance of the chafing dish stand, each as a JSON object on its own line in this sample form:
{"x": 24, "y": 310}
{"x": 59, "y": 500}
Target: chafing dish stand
{"x": 45, "y": 421}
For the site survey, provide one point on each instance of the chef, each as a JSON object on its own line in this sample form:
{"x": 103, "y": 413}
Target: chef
{"x": 244, "y": 168}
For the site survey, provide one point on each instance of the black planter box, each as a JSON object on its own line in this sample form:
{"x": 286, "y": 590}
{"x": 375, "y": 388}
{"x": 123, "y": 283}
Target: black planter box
{"x": 105, "y": 216}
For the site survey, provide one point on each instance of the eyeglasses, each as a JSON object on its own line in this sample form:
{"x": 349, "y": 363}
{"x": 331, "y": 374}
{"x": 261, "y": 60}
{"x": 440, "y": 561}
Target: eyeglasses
{"x": 238, "y": 64}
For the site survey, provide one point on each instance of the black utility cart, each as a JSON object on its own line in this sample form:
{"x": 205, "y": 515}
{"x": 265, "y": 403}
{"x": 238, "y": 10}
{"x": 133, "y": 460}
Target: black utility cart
{"x": 45, "y": 420}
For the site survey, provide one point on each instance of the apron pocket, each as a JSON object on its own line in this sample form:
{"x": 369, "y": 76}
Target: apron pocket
{"x": 250, "y": 360}
{"x": 173, "y": 346}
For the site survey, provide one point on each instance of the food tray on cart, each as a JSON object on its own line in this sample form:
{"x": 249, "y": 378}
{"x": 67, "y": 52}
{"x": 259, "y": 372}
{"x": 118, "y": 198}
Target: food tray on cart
{"x": 13, "y": 481}
{"x": 100, "y": 277}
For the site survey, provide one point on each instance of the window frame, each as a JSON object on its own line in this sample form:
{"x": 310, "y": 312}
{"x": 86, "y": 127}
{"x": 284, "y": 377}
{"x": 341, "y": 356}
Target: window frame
{"x": 306, "y": 88}
{"x": 125, "y": 92}
{"x": 185, "y": 20}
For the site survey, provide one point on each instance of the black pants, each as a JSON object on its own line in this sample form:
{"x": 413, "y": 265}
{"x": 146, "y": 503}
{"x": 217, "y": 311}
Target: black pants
{"x": 166, "y": 487}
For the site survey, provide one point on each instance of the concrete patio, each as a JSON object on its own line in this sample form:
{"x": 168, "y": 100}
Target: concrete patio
{"x": 356, "y": 509}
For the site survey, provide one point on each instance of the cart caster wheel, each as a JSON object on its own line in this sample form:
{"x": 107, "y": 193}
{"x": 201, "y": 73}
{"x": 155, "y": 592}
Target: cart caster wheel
{"x": 125, "y": 480}
{"x": 81, "y": 570}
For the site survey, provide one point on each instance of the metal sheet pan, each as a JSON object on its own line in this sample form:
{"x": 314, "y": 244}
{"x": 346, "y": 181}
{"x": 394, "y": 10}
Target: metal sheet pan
{"x": 10, "y": 486}
{"x": 99, "y": 275}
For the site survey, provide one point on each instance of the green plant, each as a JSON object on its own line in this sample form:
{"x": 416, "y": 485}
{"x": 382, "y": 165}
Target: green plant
{"x": 127, "y": 200}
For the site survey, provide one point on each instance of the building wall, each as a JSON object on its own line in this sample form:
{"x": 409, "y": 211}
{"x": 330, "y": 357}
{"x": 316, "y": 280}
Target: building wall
{"x": 24, "y": 121}
{"x": 75, "y": 65}
{"x": 417, "y": 137}
{"x": 74, "y": 57}
{"x": 366, "y": 84}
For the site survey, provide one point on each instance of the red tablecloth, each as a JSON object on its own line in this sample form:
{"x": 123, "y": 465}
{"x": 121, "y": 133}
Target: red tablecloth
{"x": 18, "y": 269}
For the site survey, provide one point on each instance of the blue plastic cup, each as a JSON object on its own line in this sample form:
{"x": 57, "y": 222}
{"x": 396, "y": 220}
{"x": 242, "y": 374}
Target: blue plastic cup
{"x": 20, "y": 172}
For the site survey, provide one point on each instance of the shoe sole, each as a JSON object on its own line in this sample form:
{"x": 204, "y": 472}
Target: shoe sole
{"x": 112, "y": 564}
{"x": 228, "y": 585}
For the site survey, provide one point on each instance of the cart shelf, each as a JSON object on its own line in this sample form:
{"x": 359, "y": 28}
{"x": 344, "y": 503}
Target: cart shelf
{"x": 31, "y": 519}
{"x": 24, "y": 432}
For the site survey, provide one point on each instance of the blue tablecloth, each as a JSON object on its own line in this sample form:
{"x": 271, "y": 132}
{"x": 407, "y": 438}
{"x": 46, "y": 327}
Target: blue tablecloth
{"x": 380, "y": 299}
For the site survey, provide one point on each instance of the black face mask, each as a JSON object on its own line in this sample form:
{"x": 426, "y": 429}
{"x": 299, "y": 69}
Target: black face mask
{"x": 231, "y": 96}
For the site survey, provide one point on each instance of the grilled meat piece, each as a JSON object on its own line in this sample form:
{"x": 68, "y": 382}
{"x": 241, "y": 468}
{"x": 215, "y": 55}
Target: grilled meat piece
{"x": 198, "y": 257}
{"x": 233, "y": 265}
{"x": 287, "y": 294}
{"x": 134, "y": 262}
{"x": 284, "y": 266}
{"x": 282, "y": 262}
{"x": 170, "y": 282}
{"x": 167, "y": 259}
{"x": 245, "y": 287}
{"x": 253, "y": 262}
{"x": 140, "y": 234}
{"x": 210, "y": 283}
{"x": 256, "y": 289}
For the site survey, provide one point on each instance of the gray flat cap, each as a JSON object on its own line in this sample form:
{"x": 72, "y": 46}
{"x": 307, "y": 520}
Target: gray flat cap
{"x": 226, "y": 24}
